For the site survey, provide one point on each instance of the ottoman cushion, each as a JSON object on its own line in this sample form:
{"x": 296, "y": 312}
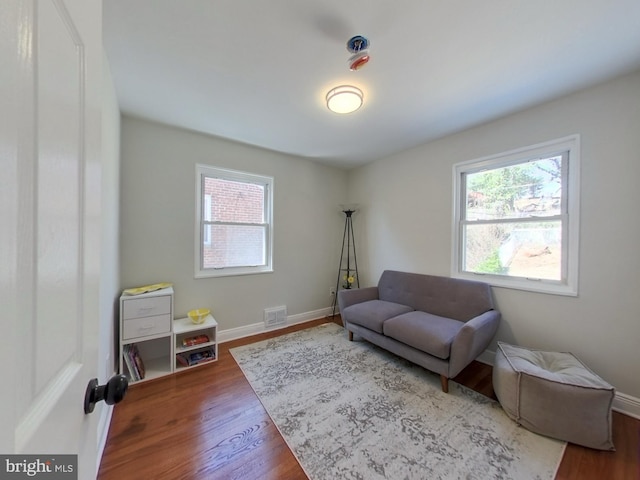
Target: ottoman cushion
{"x": 554, "y": 394}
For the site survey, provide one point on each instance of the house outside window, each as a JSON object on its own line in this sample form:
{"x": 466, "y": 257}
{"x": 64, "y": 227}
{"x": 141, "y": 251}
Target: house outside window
{"x": 234, "y": 231}
{"x": 516, "y": 219}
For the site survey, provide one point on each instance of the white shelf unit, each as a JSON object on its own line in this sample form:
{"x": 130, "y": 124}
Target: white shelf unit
{"x": 146, "y": 321}
{"x": 183, "y": 329}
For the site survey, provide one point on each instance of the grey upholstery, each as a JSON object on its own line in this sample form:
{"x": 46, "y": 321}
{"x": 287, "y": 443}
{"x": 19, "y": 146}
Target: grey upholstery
{"x": 440, "y": 323}
{"x": 554, "y": 394}
{"x": 444, "y": 296}
{"x": 424, "y": 331}
{"x": 373, "y": 313}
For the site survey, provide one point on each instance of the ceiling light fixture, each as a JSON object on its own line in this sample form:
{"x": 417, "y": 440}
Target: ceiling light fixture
{"x": 344, "y": 99}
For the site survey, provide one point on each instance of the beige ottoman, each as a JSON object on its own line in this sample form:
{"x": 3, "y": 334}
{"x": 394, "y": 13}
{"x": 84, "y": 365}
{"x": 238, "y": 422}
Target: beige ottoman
{"x": 554, "y": 394}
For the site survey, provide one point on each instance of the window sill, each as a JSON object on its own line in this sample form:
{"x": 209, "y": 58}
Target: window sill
{"x": 529, "y": 285}
{"x": 232, "y": 272}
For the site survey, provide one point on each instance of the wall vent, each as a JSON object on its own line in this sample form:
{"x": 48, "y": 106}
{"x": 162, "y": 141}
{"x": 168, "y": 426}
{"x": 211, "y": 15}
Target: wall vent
{"x": 275, "y": 316}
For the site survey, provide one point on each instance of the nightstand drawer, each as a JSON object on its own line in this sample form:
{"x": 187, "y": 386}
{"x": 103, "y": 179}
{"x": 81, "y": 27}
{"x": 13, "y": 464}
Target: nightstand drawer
{"x": 142, "y": 327}
{"x": 146, "y": 307}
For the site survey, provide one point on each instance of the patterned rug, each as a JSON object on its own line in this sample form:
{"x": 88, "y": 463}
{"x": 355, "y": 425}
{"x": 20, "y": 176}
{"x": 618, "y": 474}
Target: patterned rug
{"x": 349, "y": 410}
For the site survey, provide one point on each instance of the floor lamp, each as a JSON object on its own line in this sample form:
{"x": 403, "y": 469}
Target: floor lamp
{"x": 347, "y": 271}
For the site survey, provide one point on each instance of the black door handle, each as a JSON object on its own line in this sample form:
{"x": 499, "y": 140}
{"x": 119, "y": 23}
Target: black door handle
{"x": 111, "y": 392}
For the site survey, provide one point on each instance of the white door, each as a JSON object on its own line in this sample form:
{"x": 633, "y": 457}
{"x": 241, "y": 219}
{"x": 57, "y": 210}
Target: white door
{"x": 51, "y": 54}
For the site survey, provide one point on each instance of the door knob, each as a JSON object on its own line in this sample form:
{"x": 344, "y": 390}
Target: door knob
{"x": 111, "y": 392}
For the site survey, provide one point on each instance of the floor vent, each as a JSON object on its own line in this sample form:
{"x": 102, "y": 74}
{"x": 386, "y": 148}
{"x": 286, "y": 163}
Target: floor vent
{"x": 275, "y": 316}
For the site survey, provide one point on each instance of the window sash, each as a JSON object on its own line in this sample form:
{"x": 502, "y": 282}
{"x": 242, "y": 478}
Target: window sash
{"x": 264, "y": 186}
{"x": 525, "y": 241}
{"x": 225, "y": 254}
{"x": 206, "y": 216}
{"x": 516, "y": 213}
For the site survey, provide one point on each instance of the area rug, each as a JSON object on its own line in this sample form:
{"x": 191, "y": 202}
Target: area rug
{"x": 350, "y": 410}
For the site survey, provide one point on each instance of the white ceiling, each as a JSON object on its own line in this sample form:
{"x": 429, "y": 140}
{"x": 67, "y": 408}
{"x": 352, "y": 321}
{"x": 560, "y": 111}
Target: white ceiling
{"x": 257, "y": 71}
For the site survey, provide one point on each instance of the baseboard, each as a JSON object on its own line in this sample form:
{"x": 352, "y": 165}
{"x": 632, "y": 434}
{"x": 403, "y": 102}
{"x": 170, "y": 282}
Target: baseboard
{"x": 487, "y": 357}
{"x": 256, "y": 328}
{"x": 622, "y": 403}
{"x": 627, "y": 405}
{"x": 103, "y": 431}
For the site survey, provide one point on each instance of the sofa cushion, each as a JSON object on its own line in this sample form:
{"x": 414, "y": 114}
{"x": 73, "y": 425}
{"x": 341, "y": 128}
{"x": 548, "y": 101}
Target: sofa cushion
{"x": 447, "y": 297}
{"x": 424, "y": 331}
{"x": 372, "y": 314}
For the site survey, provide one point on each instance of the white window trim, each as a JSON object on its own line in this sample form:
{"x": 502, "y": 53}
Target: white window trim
{"x": 233, "y": 175}
{"x": 569, "y": 285}
{"x": 207, "y": 216}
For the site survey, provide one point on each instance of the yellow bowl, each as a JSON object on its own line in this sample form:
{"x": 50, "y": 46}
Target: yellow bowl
{"x": 198, "y": 316}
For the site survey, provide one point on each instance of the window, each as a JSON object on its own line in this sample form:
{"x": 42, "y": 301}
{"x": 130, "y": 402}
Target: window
{"x": 516, "y": 218}
{"x": 233, "y": 222}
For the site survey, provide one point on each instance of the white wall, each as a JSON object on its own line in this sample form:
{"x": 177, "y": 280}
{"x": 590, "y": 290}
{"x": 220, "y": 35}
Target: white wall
{"x": 405, "y": 224}
{"x": 158, "y": 215}
{"x": 109, "y": 246}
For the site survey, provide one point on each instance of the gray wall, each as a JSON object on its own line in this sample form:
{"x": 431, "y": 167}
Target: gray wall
{"x": 109, "y": 246}
{"x": 406, "y": 224}
{"x": 158, "y": 215}
{"x": 110, "y": 218}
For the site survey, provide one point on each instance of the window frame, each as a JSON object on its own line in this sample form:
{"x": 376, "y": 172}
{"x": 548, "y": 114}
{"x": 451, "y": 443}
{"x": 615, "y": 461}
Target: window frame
{"x": 569, "y": 217}
{"x": 206, "y": 216}
{"x": 203, "y": 171}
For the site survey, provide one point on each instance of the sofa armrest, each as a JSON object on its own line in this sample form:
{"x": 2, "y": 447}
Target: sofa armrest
{"x": 352, "y": 296}
{"x": 472, "y": 339}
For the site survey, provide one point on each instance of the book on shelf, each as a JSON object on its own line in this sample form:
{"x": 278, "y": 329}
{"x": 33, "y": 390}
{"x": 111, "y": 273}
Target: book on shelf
{"x": 128, "y": 360}
{"x": 197, "y": 340}
{"x": 181, "y": 359}
{"x": 137, "y": 359}
{"x": 195, "y": 358}
{"x": 133, "y": 360}
{"x": 201, "y": 356}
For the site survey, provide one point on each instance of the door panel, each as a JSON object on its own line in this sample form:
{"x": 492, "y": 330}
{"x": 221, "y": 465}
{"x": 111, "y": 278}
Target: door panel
{"x": 52, "y": 56}
{"x": 59, "y": 173}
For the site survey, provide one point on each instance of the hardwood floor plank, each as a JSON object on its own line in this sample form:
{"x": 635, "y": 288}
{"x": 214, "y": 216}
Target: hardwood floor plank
{"x": 207, "y": 423}
{"x": 583, "y": 463}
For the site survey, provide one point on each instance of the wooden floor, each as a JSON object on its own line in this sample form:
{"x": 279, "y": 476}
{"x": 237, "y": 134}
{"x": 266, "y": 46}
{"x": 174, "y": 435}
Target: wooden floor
{"x": 208, "y": 424}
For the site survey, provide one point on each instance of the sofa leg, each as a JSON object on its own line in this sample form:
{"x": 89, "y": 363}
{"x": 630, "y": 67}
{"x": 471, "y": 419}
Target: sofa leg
{"x": 445, "y": 383}
{"x": 350, "y": 336}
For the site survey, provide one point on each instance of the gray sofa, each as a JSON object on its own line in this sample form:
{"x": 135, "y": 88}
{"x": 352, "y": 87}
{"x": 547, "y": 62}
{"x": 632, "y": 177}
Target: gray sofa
{"x": 440, "y": 323}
